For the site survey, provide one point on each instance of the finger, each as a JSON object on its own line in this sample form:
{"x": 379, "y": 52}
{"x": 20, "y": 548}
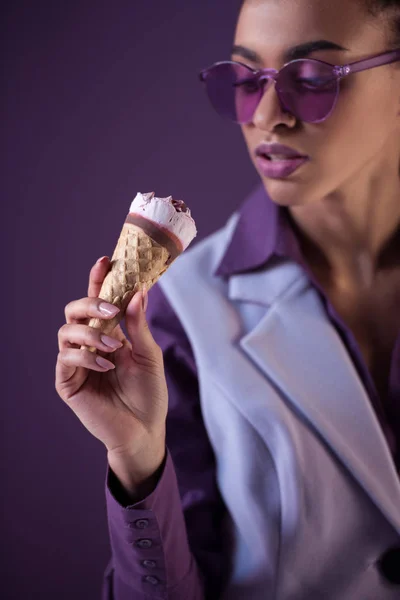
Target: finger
{"x": 74, "y": 335}
{"x": 139, "y": 332}
{"x": 79, "y": 311}
{"x": 70, "y": 359}
{"x": 97, "y": 275}
{"x": 118, "y": 334}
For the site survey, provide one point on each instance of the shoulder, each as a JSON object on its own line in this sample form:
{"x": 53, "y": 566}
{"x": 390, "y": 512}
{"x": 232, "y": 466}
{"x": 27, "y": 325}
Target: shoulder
{"x": 189, "y": 272}
{"x": 211, "y": 248}
{"x": 202, "y": 258}
{"x": 199, "y": 262}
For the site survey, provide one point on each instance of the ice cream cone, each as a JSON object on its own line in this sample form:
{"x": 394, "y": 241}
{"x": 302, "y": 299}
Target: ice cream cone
{"x": 139, "y": 259}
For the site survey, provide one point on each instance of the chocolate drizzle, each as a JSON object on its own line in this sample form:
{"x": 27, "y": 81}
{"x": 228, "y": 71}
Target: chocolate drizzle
{"x": 156, "y": 234}
{"x": 180, "y": 206}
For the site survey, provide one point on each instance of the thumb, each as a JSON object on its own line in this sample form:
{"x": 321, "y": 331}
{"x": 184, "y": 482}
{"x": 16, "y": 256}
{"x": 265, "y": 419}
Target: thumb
{"x": 140, "y": 335}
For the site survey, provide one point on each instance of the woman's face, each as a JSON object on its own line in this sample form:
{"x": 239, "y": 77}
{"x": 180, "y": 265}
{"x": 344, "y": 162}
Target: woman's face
{"x": 361, "y": 138}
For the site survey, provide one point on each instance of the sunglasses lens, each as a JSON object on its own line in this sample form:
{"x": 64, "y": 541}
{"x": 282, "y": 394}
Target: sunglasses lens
{"x": 233, "y": 91}
{"x": 308, "y": 89}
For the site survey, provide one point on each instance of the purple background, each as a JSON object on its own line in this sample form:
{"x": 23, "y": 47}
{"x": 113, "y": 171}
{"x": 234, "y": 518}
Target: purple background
{"x": 101, "y": 100}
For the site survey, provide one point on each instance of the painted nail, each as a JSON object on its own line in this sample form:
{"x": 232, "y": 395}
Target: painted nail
{"x": 108, "y": 309}
{"x": 102, "y": 259}
{"x": 110, "y": 342}
{"x": 106, "y": 364}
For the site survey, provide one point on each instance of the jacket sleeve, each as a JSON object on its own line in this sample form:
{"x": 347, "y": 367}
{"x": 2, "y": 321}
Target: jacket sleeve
{"x": 175, "y": 542}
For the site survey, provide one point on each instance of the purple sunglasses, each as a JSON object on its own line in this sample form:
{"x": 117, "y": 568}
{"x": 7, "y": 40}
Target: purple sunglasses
{"x": 307, "y": 88}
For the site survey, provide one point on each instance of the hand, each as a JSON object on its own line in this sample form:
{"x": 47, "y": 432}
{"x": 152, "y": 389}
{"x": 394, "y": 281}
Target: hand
{"x": 124, "y": 404}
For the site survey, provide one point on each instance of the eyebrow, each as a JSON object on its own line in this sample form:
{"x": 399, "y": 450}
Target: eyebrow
{"x": 300, "y": 51}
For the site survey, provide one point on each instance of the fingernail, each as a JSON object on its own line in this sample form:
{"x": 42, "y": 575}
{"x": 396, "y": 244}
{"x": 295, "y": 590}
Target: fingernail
{"x": 102, "y": 362}
{"x": 102, "y": 259}
{"x": 110, "y": 342}
{"x": 108, "y": 309}
{"x": 145, "y": 298}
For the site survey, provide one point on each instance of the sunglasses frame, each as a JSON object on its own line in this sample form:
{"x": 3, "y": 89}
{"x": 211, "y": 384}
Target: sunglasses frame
{"x": 338, "y": 72}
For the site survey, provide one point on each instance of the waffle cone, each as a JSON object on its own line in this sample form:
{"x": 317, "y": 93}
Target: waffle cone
{"x": 137, "y": 260}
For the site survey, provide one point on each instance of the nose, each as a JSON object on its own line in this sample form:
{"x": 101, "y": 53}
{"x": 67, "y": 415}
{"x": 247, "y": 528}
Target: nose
{"x": 269, "y": 112}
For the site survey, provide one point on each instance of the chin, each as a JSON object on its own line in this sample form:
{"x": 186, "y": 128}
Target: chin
{"x": 287, "y": 192}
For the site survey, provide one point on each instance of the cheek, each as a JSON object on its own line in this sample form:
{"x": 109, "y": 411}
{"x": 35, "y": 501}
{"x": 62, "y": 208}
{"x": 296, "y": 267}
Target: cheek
{"x": 359, "y": 125}
{"x": 370, "y": 109}
{"x": 245, "y": 133}
{"x": 250, "y": 139}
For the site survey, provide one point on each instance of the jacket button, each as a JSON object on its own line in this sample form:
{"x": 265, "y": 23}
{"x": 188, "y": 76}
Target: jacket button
{"x": 142, "y": 523}
{"x": 151, "y": 579}
{"x": 150, "y": 564}
{"x": 144, "y": 543}
{"x": 389, "y": 565}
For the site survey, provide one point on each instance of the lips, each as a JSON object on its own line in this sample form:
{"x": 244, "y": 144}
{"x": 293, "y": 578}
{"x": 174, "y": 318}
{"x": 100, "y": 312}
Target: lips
{"x": 279, "y": 169}
{"x": 277, "y": 161}
{"x": 279, "y": 158}
{"x": 271, "y": 151}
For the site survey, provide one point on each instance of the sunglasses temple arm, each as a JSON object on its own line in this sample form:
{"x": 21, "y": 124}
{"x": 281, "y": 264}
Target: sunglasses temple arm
{"x": 368, "y": 63}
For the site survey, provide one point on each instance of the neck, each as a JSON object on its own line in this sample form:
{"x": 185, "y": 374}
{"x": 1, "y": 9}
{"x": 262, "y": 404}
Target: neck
{"x": 350, "y": 235}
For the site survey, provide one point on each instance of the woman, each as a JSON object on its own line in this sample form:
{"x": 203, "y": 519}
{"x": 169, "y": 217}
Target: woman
{"x": 274, "y": 471}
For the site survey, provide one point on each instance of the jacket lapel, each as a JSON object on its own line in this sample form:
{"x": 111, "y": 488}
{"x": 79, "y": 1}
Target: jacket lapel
{"x": 290, "y": 339}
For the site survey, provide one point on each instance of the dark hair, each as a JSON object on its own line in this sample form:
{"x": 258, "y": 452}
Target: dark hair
{"x": 392, "y": 8}
{"x": 378, "y": 7}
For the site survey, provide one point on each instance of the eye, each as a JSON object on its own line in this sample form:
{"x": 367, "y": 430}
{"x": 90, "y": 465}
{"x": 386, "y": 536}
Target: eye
{"x": 314, "y": 84}
{"x": 249, "y": 86}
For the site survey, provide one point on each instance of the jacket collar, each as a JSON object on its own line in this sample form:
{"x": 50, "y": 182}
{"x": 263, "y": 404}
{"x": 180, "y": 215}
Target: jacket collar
{"x": 262, "y": 232}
